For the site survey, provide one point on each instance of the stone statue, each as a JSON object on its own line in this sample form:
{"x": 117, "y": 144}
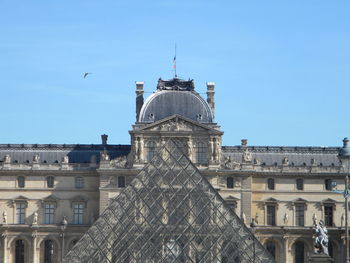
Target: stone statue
{"x": 138, "y": 149}
{"x": 257, "y": 161}
{"x": 119, "y": 162}
{"x": 4, "y": 217}
{"x": 104, "y": 156}
{"x": 286, "y": 219}
{"x": 244, "y": 219}
{"x": 35, "y": 218}
{"x": 257, "y": 218}
{"x": 211, "y": 144}
{"x": 314, "y": 217}
{"x": 313, "y": 162}
{"x": 65, "y": 159}
{"x": 36, "y": 158}
{"x": 216, "y": 150}
{"x": 342, "y": 220}
{"x": 320, "y": 238}
{"x": 285, "y": 161}
{"x": 7, "y": 158}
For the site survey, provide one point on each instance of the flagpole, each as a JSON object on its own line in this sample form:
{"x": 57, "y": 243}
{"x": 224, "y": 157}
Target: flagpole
{"x": 175, "y": 62}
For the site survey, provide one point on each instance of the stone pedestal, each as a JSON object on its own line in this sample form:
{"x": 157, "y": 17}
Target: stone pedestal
{"x": 320, "y": 258}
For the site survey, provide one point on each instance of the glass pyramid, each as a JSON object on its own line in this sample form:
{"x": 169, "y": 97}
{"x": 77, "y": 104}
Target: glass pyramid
{"x": 169, "y": 213}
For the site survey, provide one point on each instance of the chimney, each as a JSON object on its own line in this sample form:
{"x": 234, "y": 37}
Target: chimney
{"x": 104, "y": 138}
{"x": 244, "y": 142}
{"x": 345, "y": 142}
{"x": 139, "y": 98}
{"x": 210, "y": 96}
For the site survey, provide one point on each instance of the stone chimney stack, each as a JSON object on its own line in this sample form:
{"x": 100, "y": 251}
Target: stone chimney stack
{"x": 139, "y": 98}
{"x": 104, "y": 138}
{"x": 210, "y": 96}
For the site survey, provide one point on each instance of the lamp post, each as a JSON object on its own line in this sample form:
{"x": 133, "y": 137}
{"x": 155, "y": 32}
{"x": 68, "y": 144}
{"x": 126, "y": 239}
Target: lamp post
{"x": 344, "y": 158}
{"x": 63, "y": 226}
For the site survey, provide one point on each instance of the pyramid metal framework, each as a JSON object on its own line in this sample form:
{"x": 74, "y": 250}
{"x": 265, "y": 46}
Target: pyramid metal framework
{"x": 169, "y": 213}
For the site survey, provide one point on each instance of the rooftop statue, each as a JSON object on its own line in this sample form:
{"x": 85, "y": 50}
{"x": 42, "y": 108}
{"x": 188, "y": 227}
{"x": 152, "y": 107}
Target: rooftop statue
{"x": 320, "y": 237}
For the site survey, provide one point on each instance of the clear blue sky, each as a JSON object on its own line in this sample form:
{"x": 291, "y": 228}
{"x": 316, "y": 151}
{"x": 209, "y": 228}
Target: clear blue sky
{"x": 281, "y": 67}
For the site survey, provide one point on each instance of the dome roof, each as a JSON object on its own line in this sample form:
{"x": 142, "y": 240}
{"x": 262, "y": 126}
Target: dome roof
{"x": 172, "y": 97}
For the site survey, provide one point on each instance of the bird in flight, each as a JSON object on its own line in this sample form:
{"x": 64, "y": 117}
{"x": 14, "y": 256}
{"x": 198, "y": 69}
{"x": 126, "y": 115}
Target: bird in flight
{"x": 86, "y": 74}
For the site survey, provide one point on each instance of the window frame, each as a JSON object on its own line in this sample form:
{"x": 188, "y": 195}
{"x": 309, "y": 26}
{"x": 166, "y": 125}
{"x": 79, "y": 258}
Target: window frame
{"x": 299, "y": 183}
{"x": 271, "y": 184}
{"x": 328, "y": 218}
{"x": 121, "y": 180}
{"x": 78, "y": 213}
{"x": 300, "y": 214}
{"x": 21, "y": 213}
{"x": 229, "y": 184}
{"x": 79, "y": 182}
{"x": 328, "y": 184}
{"x": 21, "y": 181}
{"x": 51, "y": 215}
{"x": 50, "y": 181}
{"x": 200, "y": 153}
{"x": 271, "y": 219}
{"x": 151, "y": 150}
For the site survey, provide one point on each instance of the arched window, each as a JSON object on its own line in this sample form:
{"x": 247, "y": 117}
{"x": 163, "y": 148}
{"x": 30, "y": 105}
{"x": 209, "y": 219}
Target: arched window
{"x": 50, "y": 181}
{"x": 200, "y": 152}
{"x": 230, "y": 182}
{"x": 300, "y": 184}
{"x": 19, "y": 251}
{"x": 271, "y": 184}
{"x": 271, "y": 247}
{"x": 79, "y": 182}
{"x": 121, "y": 181}
{"x": 21, "y": 181}
{"x": 48, "y": 251}
{"x": 299, "y": 252}
{"x": 151, "y": 149}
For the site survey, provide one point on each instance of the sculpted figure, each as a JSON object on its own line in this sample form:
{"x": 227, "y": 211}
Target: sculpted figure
{"x": 4, "y": 217}
{"x": 320, "y": 238}
{"x": 285, "y": 161}
{"x": 35, "y": 218}
{"x": 286, "y": 219}
{"x": 7, "y": 158}
{"x": 247, "y": 156}
{"x": 36, "y": 158}
{"x": 65, "y": 159}
{"x": 104, "y": 156}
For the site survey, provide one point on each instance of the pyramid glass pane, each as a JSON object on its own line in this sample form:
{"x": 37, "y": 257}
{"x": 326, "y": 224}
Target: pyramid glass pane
{"x": 169, "y": 213}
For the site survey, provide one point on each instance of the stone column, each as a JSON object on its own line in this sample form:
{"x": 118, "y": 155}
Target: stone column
{"x": 34, "y": 254}
{"x": 285, "y": 249}
{"x": 4, "y": 248}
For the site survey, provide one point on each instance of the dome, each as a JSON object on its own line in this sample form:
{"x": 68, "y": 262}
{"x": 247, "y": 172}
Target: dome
{"x": 175, "y": 97}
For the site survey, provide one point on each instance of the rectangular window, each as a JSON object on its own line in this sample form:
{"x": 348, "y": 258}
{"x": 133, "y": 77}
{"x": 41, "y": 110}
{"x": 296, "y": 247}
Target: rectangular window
{"x": 271, "y": 215}
{"x": 49, "y": 213}
{"x": 200, "y": 153}
{"x": 300, "y": 214}
{"x": 328, "y": 215}
{"x": 78, "y": 212}
{"x": 20, "y": 213}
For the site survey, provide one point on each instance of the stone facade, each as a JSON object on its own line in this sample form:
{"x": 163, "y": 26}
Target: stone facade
{"x": 51, "y": 194}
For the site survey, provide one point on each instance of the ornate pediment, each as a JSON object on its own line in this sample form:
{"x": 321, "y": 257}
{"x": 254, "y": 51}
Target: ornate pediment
{"x": 177, "y": 123}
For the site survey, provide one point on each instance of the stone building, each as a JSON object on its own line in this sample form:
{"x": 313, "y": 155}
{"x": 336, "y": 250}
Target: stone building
{"x": 52, "y": 193}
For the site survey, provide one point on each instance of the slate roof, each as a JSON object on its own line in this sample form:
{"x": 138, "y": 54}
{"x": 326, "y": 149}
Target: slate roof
{"x": 274, "y": 155}
{"x": 82, "y": 153}
{"x": 53, "y": 153}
